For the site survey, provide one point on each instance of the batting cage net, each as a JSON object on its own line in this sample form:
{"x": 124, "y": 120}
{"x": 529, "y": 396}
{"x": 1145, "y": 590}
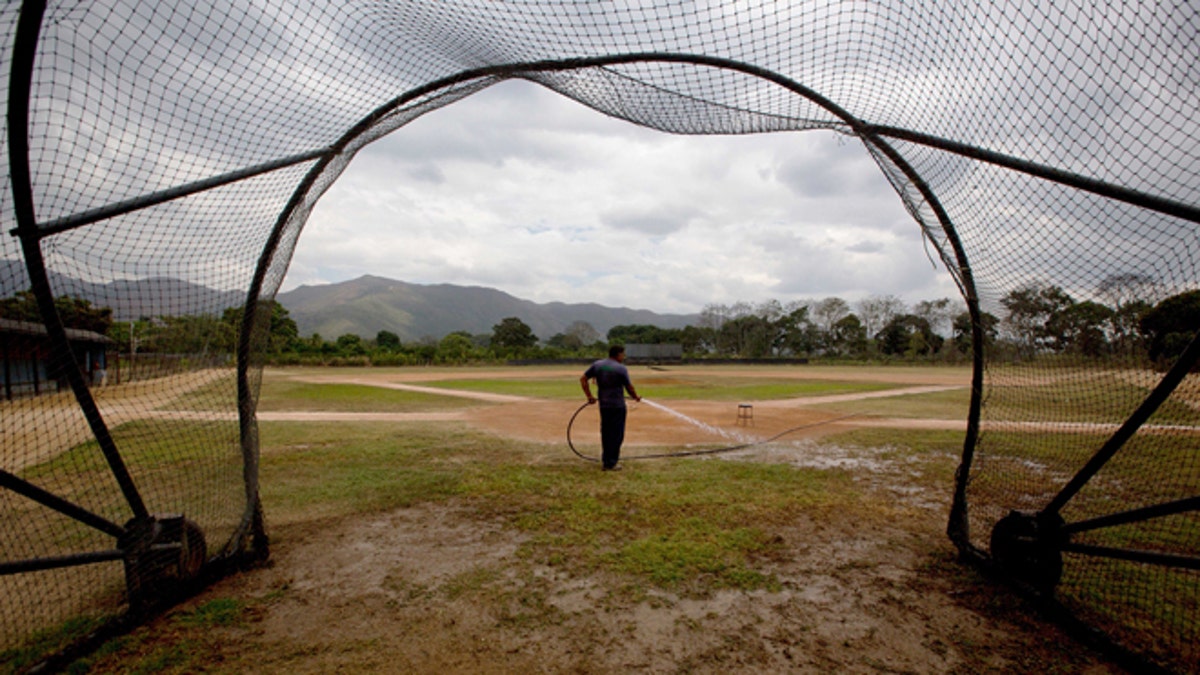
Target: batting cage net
{"x": 163, "y": 158}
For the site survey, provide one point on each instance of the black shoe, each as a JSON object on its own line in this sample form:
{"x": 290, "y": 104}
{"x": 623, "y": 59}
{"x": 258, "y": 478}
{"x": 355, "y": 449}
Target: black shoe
{"x": 616, "y": 467}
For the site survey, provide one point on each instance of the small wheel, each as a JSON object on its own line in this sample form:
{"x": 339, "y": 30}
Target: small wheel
{"x": 194, "y": 551}
{"x": 1027, "y": 547}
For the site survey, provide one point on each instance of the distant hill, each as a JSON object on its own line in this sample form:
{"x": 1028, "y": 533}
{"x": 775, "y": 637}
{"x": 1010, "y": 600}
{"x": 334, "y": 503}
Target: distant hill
{"x": 369, "y": 304}
{"x": 129, "y": 299}
{"x": 363, "y": 306}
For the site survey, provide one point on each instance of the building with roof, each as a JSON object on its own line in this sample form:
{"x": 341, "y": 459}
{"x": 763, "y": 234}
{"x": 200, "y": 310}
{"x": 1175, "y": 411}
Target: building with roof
{"x": 25, "y": 365}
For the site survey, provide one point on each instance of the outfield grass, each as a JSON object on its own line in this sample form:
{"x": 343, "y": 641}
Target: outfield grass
{"x": 1102, "y": 402}
{"x": 943, "y": 405}
{"x": 338, "y": 397}
{"x": 673, "y": 387}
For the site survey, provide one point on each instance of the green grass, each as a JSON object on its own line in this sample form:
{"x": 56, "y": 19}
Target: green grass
{"x": 931, "y": 455}
{"x": 1092, "y": 400}
{"x": 217, "y": 612}
{"x": 192, "y": 649}
{"x": 49, "y": 641}
{"x": 657, "y": 386}
{"x": 335, "y": 397}
{"x": 314, "y": 470}
{"x": 220, "y": 394}
{"x": 286, "y": 393}
{"x": 555, "y": 387}
{"x": 946, "y": 405}
{"x": 681, "y": 524}
{"x": 177, "y": 466}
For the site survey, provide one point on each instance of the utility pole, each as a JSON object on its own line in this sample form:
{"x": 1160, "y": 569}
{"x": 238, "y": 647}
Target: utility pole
{"x": 132, "y": 347}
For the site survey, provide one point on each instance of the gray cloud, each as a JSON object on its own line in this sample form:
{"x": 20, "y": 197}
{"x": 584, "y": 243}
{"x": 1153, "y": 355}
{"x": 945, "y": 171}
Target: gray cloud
{"x": 656, "y": 220}
{"x": 550, "y": 201}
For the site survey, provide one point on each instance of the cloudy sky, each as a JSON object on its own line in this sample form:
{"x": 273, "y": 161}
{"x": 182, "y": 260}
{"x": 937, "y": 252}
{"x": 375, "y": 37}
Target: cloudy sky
{"x": 523, "y": 190}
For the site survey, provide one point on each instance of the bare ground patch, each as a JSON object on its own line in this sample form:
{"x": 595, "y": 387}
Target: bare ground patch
{"x": 437, "y": 589}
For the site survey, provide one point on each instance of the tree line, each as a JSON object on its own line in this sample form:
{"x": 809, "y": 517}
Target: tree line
{"x": 1035, "y": 320}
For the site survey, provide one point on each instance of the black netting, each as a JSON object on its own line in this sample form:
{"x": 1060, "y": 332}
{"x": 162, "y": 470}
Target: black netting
{"x": 1038, "y": 146}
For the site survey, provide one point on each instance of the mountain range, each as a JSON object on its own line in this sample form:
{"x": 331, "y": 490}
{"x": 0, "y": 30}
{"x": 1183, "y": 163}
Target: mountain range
{"x": 362, "y": 306}
{"x": 129, "y": 299}
{"x": 369, "y": 304}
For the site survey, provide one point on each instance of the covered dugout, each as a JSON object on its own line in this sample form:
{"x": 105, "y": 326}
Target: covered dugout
{"x": 25, "y": 351}
{"x": 1051, "y": 143}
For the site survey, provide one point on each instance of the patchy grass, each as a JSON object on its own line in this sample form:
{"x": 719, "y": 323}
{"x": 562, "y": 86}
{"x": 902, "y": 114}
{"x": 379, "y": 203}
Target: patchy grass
{"x": 315, "y": 470}
{"x": 674, "y": 387}
{"x": 335, "y": 397}
{"x": 194, "y": 644}
{"x": 48, "y": 641}
{"x": 218, "y": 612}
{"x": 1079, "y": 397}
{"x": 689, "y": 525}
{"x": 218, "y": 394}
{"x": 684, "y": 524}
{"x": 945, "y": 405}
{"x": 178, "y": 466}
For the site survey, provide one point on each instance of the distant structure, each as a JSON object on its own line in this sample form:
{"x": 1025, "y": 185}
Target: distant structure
{"x": 664, "y": 353}
{"x": 25, "y": 351}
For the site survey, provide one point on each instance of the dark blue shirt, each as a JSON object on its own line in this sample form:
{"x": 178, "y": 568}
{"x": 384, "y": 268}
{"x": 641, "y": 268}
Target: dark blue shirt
{"x": 611, "y": 379}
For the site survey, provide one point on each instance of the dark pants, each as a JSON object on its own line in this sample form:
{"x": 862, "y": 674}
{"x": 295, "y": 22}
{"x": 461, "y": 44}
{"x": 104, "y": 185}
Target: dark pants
{"x": 612, "y": 434}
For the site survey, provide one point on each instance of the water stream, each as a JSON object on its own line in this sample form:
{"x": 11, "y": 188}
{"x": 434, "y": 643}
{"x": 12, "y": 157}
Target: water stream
{"x": 723, "y": 433}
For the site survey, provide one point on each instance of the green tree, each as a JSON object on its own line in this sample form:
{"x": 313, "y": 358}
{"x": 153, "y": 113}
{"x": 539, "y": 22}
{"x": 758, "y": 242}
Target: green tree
{"x": 961, "y": 330}
{"x": 796, "y": 334}
{"x": 187, "y": 334}
{"x": 282, "y": 333}
{"x": 641, "y": 333}
{"x": 512, "y": 336}
{"x": 936, "y": 312}
{"x": 1082, "y": 328}
{"x": 313, "y": 344}
{"x": 351, "y": 345}
{"x": 1127, "y": 336}
{"x": 1131, "y": 295}
{"x": 455, "y": 348}
{"x": 877, "y": 310}
{"x": 828, "y": 311}
{"x": 1031, "y": 313}
{"x": 1171, "y": 326}
{"x": 909, "y": 335}
{"x": 696, "y": 340}
{"x": 387, "y": 341}
{"x": 75, "y": 312}
{"x": 748, "y": 336}
{"x": 849, "y": 336}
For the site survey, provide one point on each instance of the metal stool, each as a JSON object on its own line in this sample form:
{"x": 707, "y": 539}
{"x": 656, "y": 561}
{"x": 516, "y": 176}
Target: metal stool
{"x": 745, "y": 414}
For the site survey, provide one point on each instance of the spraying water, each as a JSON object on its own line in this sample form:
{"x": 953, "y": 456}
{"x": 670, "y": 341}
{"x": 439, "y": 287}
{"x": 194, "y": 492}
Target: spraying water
{"x": 723, "y": 433}
{"x": 743, "y": 441}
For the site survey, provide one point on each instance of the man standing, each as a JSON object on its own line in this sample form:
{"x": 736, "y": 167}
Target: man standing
{"x": 612, "y": 381}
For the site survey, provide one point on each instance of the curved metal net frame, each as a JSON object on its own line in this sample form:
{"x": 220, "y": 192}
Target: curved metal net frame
{"x": 189, "y": 142}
